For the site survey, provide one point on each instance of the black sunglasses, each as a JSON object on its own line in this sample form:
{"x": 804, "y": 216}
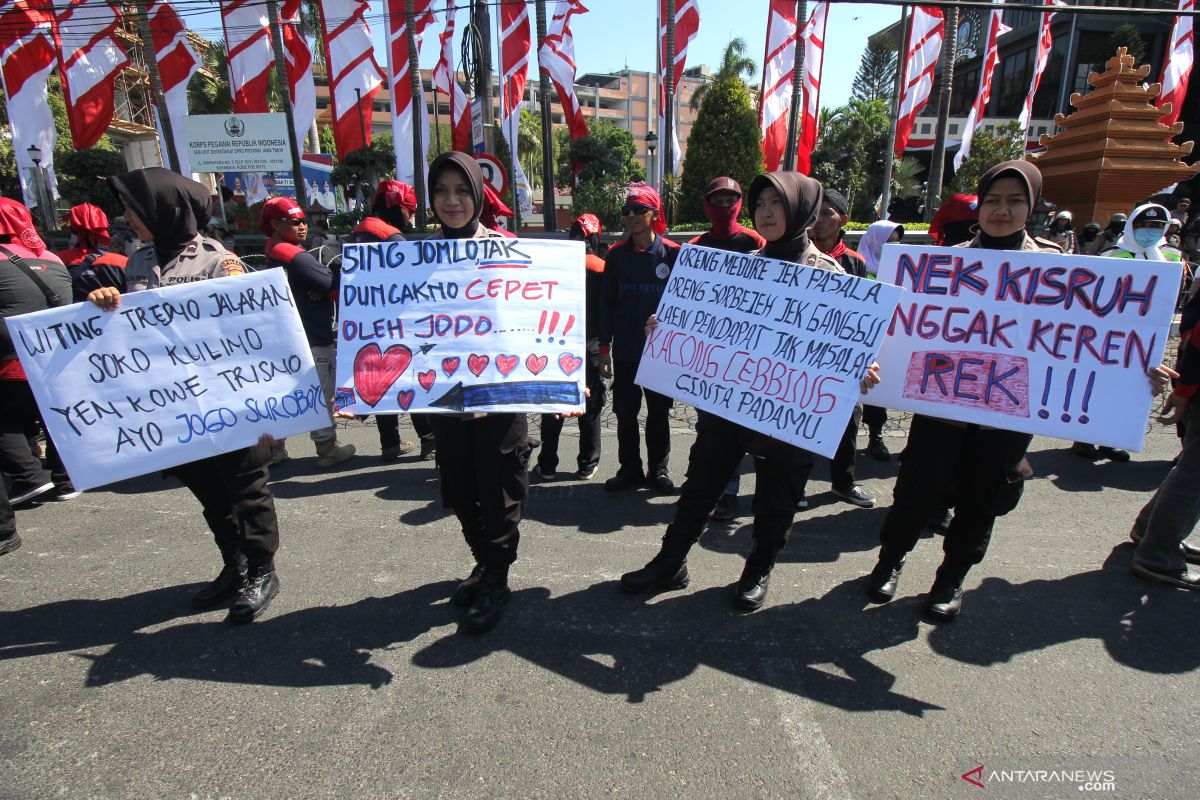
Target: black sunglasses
{"x": 296, "y": 222}
{"x": 635, "y": 208}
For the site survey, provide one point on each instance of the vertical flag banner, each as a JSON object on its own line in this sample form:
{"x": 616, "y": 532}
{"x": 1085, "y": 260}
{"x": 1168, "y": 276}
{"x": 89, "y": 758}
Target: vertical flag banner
{"x": 27, "y": 55}
{"x": 250, "y": 56}
{"x": 89, "y": 59}
{"x": 927, "y": 29}
{"x": 177, "y": 63}
{"x": 556, "y": 58}
{"x": 443, "y": 79}
{"x": 354, "y": 76}
{"x": 401, "y": 84}
{"x": 813, "y": 37}
{"x": 515, "y": 48}
{"x": 996, "y": 29}
{"x": 1041, "y": 59}
{"x": 775, "y": 93}
{"x": 301, "y": 90}
{"x": 1178, "y": 66}
{"x": 687, "y": 24}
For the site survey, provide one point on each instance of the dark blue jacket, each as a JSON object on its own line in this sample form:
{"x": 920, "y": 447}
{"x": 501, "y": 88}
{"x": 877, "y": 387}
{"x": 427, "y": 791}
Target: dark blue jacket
{"x": 633, "y": 283}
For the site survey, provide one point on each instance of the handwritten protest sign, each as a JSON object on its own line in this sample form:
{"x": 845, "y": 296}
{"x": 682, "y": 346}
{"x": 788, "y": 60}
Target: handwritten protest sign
{"x": 775, "y": 346}
{"x": 1036, "y": 342}
{"x": 171, "y": 376}
{"x": 462, "y": 325}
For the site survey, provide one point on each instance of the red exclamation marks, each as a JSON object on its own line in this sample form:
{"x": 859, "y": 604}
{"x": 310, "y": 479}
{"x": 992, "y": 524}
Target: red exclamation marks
{"x": 541, "y": 327}
{"x": 548, "y": 332}
{"x": 567, "y": 328}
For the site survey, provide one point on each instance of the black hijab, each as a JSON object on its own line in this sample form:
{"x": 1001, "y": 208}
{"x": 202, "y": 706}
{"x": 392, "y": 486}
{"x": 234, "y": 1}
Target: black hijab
{"x": 1027, "y": 174}
{"x": 469, "y": 168}
{"x": 801, "y": 196}
{"x": 171, "y": 206}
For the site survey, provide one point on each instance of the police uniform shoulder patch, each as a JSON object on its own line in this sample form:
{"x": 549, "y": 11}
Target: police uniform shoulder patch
{"x": 233, "y": 265}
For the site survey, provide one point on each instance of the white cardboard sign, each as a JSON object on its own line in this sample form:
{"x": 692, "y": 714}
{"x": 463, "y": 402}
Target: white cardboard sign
{"x": 462, "y": 326}
{"x": 171, "y": 376}
{"x": 1043, "y": 343}
{"x": 774, "y": 346}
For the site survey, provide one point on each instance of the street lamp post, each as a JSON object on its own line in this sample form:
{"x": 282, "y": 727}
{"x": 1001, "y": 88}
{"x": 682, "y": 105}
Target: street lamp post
{"x": 651, "y": 145}
{"x": 41, "y": 188}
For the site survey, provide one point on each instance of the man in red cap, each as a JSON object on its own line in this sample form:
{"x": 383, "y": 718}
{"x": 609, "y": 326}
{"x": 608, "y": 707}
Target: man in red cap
{"x": 313, "y": 287}
{"x": 391, "y": 214}
{"x": 89, "y": 262}
{"x": 635, "y": 274}
{"x": 723, "y": 206}
{"x": 955, "y": 221}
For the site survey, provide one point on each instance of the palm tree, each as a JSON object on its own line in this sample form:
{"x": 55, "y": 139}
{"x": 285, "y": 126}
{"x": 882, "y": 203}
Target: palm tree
{"x": 734, "y": 65}
{"x": 208, "y": 91}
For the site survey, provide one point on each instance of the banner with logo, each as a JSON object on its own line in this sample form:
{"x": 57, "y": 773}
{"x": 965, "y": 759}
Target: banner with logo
{"x": 237, "y": 142}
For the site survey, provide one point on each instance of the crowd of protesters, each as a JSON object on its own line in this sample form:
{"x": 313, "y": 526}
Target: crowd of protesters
{"x": 956, "y": 478}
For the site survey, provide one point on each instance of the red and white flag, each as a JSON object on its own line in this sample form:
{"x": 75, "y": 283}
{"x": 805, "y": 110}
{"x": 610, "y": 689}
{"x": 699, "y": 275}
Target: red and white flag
{"x": 27, "y": 55}
{"x": 1178, "y": 66}
{"x": 515, "y": 49}
{"x": 177, "y": 63}
{"x": 927, "y": 28}
{"x": 687, "y": 24}
{"x": 813, "y": 37}
{"x": 250, "y": 55}
{"x": 991, "y": 57}
{"x": 1040, "y": 60}
{"x": 443, "y": 80}
{"x": 775, "y": 93}
{"x": 89, "y": 59}
{"x": 354, "y": 75}
{"x": 556, "y": 58}
{"x": 400, "y": 79}
{"x": 301, "y": 90}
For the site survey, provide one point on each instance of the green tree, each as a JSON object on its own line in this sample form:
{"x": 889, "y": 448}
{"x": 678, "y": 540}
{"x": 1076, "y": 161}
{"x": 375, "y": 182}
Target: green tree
{"x": 850, "y": 153}
{"x": 1130, "y": 38}
{"x": 725, "y": 140}
{"x": 81, "y": 175}
{"x": 607, "y": 154}
{"x": 876, "y": 77}
{"x": 988, "y": 148}
{"x": 208, "y": 90}
{"x": 735, "y": 65}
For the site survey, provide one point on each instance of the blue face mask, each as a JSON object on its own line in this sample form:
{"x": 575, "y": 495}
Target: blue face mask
{"x": 1148, "y": 237}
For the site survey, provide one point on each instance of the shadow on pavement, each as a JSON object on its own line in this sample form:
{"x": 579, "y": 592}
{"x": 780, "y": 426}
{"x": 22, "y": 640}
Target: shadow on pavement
{"x": 814, "y": 539}
{"x": 1071, "y": 473}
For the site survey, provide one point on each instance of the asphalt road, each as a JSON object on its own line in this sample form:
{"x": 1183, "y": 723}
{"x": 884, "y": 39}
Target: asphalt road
{"x": 1063, "y": 669}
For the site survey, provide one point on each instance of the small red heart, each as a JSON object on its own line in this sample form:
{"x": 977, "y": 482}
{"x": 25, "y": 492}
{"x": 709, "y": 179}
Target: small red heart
{"x": 426, "y": 379}
{"x": 569, "y": 363}
{"x": 506, "y": 364}
{"x": 450, "y": 365}
{"x": 375, "y": 371}
{"x": 477, "y": 364}
{"x": 405, "y": 397}
{"x": 536, "y": 364}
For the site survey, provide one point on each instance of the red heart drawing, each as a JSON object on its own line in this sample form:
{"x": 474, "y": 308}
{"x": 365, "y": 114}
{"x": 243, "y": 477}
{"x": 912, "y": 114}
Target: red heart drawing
{"x": 450, "y": 365}
{"x": 426, "y": 379}
{"x": 477, "y": 364}
{"x": 375, "y": 372}
{"x": 569, "y": 363}
{"x": 405, "y": 398}
{"x": 536, "y": 364}
{"x": 506, "y": 364}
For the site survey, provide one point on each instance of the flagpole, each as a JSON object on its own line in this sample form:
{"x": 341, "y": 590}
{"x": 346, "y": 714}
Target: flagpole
{"x": 285, "y": 89}
{"x": 793, "y": 134}
{"x": 548, "y": 211}
{"x": 504, "y": 121}
{"x": 937, "y": 162}
{"x": 901, "y": 67}
{"x": 418, "y": 107}
{"x": 149, "y": 54}
{"x": 669, "y": 111}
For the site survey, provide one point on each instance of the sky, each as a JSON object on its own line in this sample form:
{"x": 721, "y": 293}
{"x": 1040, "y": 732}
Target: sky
{"x": 618, "y": 32}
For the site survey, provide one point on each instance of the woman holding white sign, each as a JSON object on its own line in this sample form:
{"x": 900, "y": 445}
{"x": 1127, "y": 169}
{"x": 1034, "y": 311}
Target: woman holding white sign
{"x": 167, "y": 208}
{"x": 977, "y": 470}
{"x": 785, "y": 205}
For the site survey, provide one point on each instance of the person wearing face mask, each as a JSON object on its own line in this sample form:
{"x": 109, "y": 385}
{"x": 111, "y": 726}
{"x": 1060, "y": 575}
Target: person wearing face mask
{"x": 980, "y": 470}
{"x": 165, "y": 208}
{"x": 313, "y": 287}
{"x": 482, "y": 459}
{"x": 1089, "y": 239}
{"x": 391, "y": 215}
{"x": 635, "y": 273}
{"x": 785, "y": 205}
{"x": 1109, "y": 236}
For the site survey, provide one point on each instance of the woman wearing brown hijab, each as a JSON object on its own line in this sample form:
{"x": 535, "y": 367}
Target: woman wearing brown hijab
{"x": 977, "y": 470}
{"x": 784, "y": 205}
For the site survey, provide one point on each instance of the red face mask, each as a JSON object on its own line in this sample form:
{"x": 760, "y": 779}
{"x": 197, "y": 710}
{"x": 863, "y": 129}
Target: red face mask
{"x": 724, "y": 220}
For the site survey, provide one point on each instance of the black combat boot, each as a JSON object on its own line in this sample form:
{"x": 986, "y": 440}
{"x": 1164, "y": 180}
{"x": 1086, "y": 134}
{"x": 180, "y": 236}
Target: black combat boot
{"x": 491, "y": 596}
{"x": 666, "y": 571}
{"x": 883, "y": 580}
{"x": 751, "y": 590}
{"x": 464, "y": 595}
{"x": 225, "y": 586}
{"x": 261, "y": 585}
{"x": 945, "y": 597}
